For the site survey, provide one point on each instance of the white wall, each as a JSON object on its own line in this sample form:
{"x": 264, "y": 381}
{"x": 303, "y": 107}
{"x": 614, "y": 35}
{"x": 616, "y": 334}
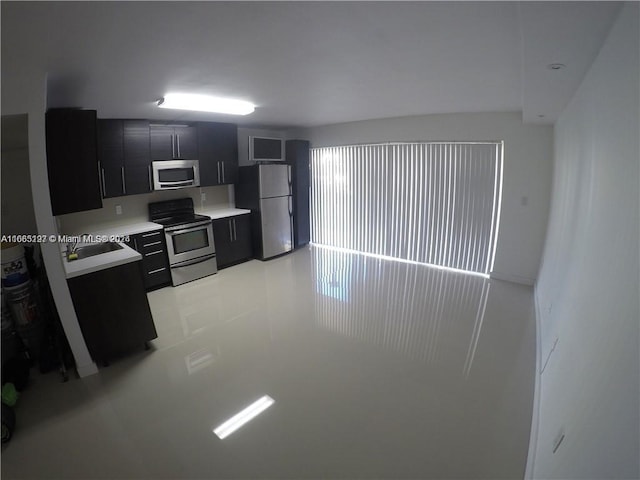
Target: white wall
{"x": 588, "y": 288}
{"x": 18, "y": 217}
{"x": 135, "y": 208}
{"x": 28, "y": 96}
{"x": 527, "y": 172}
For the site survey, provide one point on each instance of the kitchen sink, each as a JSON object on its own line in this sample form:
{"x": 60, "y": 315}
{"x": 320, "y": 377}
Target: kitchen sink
{"x": 97, "y": 249}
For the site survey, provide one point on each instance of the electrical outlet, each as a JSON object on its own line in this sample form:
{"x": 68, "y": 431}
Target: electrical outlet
{"x": 558, "y": 440}
{"x": 118, "y": 209}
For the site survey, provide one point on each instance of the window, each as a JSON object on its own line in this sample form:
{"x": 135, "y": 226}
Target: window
{"x": 436, "y": 203}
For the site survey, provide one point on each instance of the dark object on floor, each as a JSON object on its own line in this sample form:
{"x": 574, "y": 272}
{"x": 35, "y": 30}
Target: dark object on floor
{"x": 16, "y": 371}
{"x": 55, "y": 352}
{"x": 8, "y": 422}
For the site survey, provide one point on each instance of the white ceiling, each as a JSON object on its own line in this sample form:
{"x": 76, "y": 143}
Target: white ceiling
{"x": 305, "y": 63}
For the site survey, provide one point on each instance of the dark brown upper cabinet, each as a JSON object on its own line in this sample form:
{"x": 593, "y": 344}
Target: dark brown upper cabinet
{"x": 123, "y": 153}
{"x": 72, "y": 160}
{"x": 218, "y": 153}
{"x": 174, "y": 142}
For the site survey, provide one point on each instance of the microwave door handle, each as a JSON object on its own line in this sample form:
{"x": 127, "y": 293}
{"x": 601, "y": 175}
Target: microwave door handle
{"x": 181, "y": 182}
{"x": 178, "y": 143}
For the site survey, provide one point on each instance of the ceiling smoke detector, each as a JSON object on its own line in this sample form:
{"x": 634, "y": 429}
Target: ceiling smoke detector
{"x": 556, "y": 66}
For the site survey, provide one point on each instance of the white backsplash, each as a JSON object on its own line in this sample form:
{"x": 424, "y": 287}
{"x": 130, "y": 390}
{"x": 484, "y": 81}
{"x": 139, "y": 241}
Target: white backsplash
{"x": 135, "y": 207}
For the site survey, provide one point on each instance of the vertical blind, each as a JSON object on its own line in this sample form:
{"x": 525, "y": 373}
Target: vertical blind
{"x": 434, "y": 203}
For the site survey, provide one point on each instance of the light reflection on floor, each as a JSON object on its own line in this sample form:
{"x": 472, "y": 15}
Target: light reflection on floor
{"x": 377, "y": 369}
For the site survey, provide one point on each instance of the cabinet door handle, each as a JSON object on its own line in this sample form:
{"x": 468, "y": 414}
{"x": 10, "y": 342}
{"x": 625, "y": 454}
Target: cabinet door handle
{"x": 156, "y": 271}
{"x": 152, "y": 234}
{"x": 230, "y": 231}
{"x": 150, "y": 182}
{"x": 152, "y": 244}
{"x": 135, "y": 244}
{"x": 173, "y": 146}
{"x": 153, "y": 253}
{"x": 235, "y": 231}
{"x": 223, "y": 179}
{"x": 124, "y": 187}
{"x": 218, "y": 164}
{"x": 178, "y": 143}
{"x": 101, "y": 176}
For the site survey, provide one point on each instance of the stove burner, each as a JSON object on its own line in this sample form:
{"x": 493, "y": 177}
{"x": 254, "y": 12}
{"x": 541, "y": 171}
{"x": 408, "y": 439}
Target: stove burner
{"x": 174, "y": 212}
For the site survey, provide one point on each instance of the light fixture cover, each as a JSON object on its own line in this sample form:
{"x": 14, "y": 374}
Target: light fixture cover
{"x": 205, "y": 103}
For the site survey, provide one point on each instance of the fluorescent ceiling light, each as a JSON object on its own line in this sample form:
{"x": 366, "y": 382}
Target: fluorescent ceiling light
{"x": 205, "y": 103}
{"x": 246, "y": 415}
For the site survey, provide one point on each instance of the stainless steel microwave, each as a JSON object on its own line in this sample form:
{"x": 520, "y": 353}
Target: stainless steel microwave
{"x": 173, "y": 174}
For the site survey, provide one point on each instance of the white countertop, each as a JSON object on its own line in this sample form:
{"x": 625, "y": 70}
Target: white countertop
{"x": 215, "y": 213}
{"x": 75, "y": 268}
{"x": 120, "y": 229}
{"x": 82, "y": 266}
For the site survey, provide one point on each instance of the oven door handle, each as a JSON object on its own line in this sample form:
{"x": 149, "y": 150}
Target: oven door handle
{"x": 191, "y": 228}
{"x": 186, "y": 263}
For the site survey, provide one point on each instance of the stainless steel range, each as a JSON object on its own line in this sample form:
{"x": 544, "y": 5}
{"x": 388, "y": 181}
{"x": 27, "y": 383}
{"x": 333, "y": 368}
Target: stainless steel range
{"x": 189, "y": 236}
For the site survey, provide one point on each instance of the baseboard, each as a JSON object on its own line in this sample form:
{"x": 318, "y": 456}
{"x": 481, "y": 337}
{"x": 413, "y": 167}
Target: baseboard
{"x": 535, "y": 415}
{"x": 512, "y": 278}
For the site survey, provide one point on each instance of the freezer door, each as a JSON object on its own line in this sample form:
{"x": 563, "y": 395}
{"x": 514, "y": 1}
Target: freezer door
{"x": 276, "y": 221}
{"x": 275, "y": 180}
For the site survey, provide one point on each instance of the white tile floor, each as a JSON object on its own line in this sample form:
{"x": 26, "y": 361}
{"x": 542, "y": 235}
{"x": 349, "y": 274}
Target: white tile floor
{"x": 378, "y": 369}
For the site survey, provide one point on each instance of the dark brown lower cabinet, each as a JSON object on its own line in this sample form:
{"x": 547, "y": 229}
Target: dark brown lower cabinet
{"x": 232, "y": 237}
{"x": 155, "y": 263}
{"x": 113, "y": 311}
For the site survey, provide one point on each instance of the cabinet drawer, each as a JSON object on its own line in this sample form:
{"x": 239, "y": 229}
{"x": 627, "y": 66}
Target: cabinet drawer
{"x": 149, "y": 237}
{"x": 161, "y": 273}
{"x": 153, "y": 262}
{"x": 153, "y": 245}
{"x": 150, "y": 242}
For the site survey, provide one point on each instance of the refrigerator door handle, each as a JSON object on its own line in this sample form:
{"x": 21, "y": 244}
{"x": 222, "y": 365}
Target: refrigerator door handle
{"x": 291, "y": 218}
{"x": 289, "y": 179}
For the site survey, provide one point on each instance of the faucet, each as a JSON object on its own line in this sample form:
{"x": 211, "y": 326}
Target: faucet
{"x": 72, "y": 244}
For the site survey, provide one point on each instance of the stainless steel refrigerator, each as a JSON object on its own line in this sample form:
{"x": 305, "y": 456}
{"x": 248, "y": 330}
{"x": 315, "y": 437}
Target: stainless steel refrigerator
{"x": 266, "y": 190}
